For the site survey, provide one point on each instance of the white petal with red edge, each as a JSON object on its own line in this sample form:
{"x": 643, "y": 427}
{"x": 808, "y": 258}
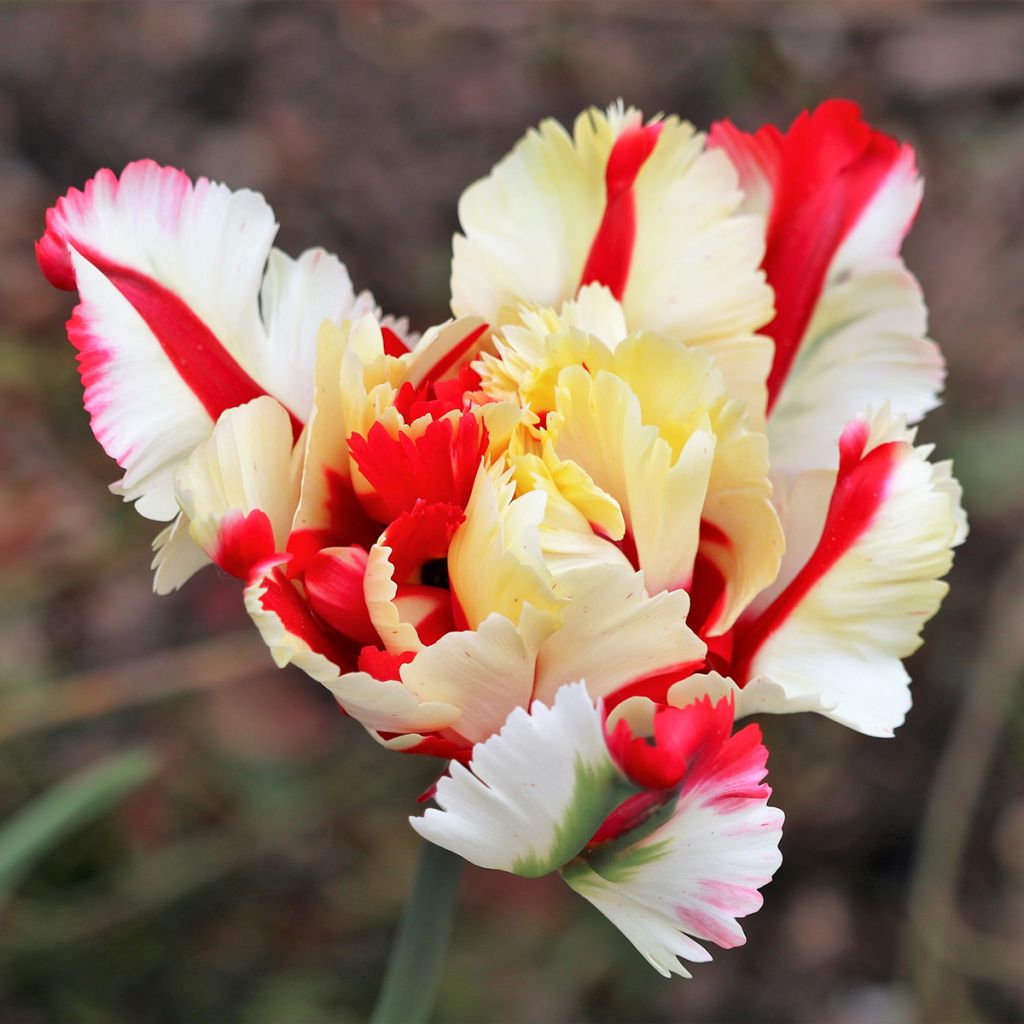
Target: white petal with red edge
{"x": 533, "y": 794}
{"x": 612, "y": 633}
{"x": 867, "y": 341}
{"x": 238, "y": 489}
{"x": 295, "y": 637}
{"x": 142, "y": 412}
{"x": 697, "y": 872}
{"x": 837, "y": 633}
{"x": 169, "y": 325}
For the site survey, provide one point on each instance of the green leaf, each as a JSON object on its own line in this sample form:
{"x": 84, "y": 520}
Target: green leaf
{"x": 41, "y": 825}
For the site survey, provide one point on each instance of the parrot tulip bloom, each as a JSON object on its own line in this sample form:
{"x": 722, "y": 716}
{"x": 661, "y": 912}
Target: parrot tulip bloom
{"x": 566, "y": 538}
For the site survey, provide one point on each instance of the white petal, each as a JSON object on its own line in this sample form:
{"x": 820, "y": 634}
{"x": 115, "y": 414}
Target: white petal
{"x": 533, "y": 794}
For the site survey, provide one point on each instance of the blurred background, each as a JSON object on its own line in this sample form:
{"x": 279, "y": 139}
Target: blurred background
{"x": 198, "y": 837}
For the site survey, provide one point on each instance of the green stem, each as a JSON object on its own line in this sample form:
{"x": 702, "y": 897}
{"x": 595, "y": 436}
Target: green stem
{"x": 414, "y": 970}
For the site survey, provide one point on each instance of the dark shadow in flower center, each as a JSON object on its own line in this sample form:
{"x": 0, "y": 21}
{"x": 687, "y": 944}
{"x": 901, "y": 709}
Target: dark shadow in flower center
{"x": 435, "y": 573}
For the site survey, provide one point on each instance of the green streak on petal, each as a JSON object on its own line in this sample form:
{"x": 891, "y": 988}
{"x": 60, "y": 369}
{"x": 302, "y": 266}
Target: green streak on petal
{"x": 619, "y": 859}
{"x": 619, "y": 866}
{"x": 597, "y": 791}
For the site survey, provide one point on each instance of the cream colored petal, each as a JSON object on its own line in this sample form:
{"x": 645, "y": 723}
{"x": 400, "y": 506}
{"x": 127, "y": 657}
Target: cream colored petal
{"x": 245, "y": 466}
{"x": 495, "y": 563}
{"x": 613, "y": 634}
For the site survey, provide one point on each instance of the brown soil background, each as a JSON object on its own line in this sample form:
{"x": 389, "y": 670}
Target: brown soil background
{"x": 258, "y": 877}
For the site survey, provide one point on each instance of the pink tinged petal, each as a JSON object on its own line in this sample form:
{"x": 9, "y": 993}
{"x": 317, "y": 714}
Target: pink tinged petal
{"x": 611, "y": 252}
{"x": 173, "y": 326}
{"x": 680, "y": 738}
{"x": 701, "y": 868}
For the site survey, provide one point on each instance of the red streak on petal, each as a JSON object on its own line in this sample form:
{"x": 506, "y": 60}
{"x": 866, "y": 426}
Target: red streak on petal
{"x": 347, "y": 524}
{"x": 861, "y": 486}
{"x": 831, "y": 163}
{"x": 243, "y": 542}
{"x": 393, "y": 344}
{"x": 611, "y": 252}
{"x": 707, "y": 594}
{"x": 283, "y": 599}
{"x": 655, "y": 687}
{"x": 195, "y": 352}
{"x": 452, "y": 357}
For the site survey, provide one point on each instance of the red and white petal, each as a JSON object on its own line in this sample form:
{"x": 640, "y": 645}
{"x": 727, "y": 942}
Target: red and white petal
{"x": 238, "y": 488}
{"x": 296, "y": 637}
{"x": 692, "y": 876}
{"x": 867, "y": 339}
{"x": 612, "y": 633}
{"x": 444, "y": 349}
{"x": 837, "y": 631}
{"x": 142, "y": 412}
{"x": 176, "y": 556}
{"x": 695, "y": 272}
{"x": 533, "y": 794}
{"x": 756, "y": 158}
{"x": 288, "y": 627}
{"x": 839, "y": 198}
{"x": 168, "y": 275}
{"x": 173, "y": 326}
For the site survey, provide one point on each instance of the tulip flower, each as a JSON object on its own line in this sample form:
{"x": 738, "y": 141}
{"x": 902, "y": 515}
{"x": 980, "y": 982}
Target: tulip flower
{"x": 655, "y": 475}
